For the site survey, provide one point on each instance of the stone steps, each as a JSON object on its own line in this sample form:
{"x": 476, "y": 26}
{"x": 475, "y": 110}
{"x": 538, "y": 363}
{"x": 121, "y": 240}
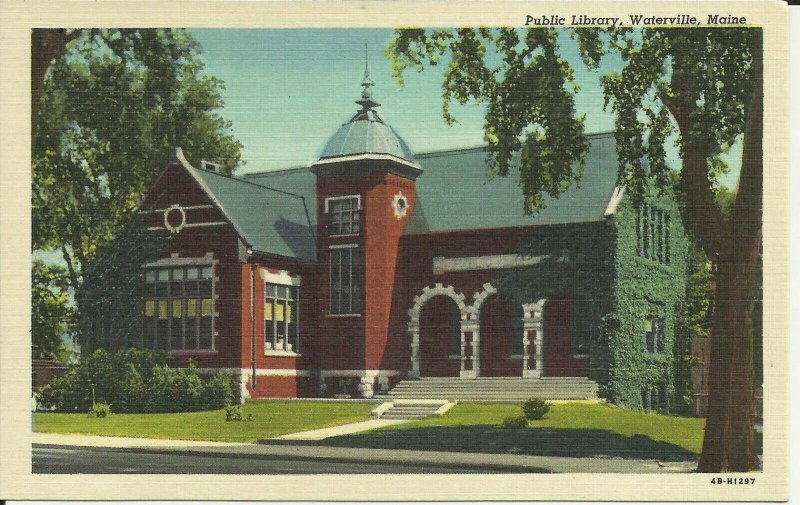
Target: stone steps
{"x": 494, "y": 389}
{"x": 410, "y": 409}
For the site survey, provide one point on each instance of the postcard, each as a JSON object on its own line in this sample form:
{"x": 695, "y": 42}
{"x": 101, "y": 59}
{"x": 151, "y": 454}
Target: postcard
{"x": 395, "y": 251}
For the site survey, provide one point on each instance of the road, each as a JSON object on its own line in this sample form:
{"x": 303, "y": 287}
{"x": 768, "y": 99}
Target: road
{"x": 58, "y": 459}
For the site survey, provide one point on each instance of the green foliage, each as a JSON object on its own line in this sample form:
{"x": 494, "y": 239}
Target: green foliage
{"x": 233, "y": 413}
{"x": 110, "y": 294}
{"x": 218, "y": 391}
{"x": 51, "y": 313}
{"x": 644, "y": 289}
{"x": 100, "y": 410}
{"x": 535, "y": 408}
{"x": 514, "y": 422}
{"x": 663, "y": 74}
{"x": 529, "y": 91}
{"x": 693, "y": 321}
{"x": 578, "y": 264}
{"x": 115, "y": 104}
{"x": 134, "y": 380}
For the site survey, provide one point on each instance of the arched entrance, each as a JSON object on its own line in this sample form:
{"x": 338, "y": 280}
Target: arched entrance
{"x": 440, "y": 338}
{"x": 501, "y": 338}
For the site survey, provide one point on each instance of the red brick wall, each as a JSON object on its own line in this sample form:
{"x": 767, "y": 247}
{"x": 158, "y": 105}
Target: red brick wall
{"x": 232, "y": 288}
{"x": 359, "y": 343}
{"x": 176, "y": 186}
{"x": 557, "y": 326}
{"x": 285, "y": 386}
{"x": 415, "y": 267}
{"x": 496, "y": 333}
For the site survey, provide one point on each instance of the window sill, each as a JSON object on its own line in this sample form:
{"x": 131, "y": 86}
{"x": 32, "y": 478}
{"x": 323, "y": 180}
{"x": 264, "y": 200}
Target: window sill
{"x": 345, "y": 235}
{"x": 343, "y": 315}
{"x": 454, "y": 356}
{"x": 516, "y": 356}
{"x": 580, "y": 356}
{"x": 278, "y": 352}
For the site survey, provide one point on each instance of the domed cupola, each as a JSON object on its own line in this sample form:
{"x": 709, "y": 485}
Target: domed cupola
{"x": 366, "y": 137}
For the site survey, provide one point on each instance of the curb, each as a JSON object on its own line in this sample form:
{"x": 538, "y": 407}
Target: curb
{"x": 375, "y": 459}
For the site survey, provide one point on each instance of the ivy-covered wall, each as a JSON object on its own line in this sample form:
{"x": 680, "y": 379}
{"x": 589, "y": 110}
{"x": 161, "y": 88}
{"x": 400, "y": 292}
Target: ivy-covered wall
{"x": 605, "y": 264}
{"x": 645, "y": 289}
{"x": 578, "y": 264}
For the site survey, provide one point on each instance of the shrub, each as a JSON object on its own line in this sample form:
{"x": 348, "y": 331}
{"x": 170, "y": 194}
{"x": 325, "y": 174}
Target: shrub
{"x": 233, "y": 413}
{"x": 100, "y": 410}
{"x": 514, "y": 422}
{"x": 135, "y": 380}
{"x": 535, "y": 408}
{"x": 218, "y": 391}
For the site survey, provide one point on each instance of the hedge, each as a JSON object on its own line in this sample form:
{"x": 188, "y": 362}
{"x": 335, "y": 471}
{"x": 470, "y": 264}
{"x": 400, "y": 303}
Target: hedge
{"x": 135, "y": 380}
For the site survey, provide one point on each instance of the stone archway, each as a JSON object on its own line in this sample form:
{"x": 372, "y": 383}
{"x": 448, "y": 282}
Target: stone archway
{"x": 532, "y": 334}
{"x": 429, "y": 292}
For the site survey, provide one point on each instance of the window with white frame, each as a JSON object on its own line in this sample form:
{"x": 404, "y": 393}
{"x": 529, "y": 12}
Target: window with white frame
{"x": 179, "y": 308}
{"x": 344, "y": 217}
{"x": 281, "y": 318}
{"x": 347, "y": 272}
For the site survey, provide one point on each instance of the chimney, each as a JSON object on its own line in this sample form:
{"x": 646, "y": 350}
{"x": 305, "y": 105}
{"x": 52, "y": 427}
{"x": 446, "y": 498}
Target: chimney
{"x": 211, "y": 165}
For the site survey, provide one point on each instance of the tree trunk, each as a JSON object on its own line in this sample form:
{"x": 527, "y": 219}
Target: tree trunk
{"x": 46, "y": 44}
{"x": 728, "y": 444}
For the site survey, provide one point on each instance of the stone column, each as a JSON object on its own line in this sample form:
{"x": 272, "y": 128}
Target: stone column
{"x": 366, "y": 386}
{"x": 413, "y": 328}
{"x": 469, "y": 326}
{"x": 533, "y": 339}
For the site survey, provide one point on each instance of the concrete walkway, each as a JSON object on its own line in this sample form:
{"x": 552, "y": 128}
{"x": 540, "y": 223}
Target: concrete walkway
{"x": 334, "y": 431}
{"x": 495, "y": 462}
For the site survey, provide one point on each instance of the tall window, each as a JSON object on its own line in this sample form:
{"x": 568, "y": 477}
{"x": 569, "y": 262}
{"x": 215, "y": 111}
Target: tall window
{"x": 652, "y": 233}
{"x": 344, "y": 217}
{"x": 653, "y": 335}
{"x": 179, "y": 308}
{"x": 346, "y": 280}
{"x": 281, "y": 318}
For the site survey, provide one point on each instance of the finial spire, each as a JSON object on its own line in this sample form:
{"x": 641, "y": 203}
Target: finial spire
{"x": 366, "y": 101}
{"x": 366, "y": 62}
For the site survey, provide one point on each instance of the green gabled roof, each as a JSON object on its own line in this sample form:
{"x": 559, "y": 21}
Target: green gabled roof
{"x": 271, "y": 221}
{"x": 454, "y": 192}
{"x": 300, "y": 181}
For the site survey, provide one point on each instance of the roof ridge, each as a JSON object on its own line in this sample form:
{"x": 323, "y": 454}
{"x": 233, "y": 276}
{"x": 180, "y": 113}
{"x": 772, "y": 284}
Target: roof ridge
{"x": 484, "y": 146}
{"x": 273, "y": 171}
{"x": 233, "y": 178}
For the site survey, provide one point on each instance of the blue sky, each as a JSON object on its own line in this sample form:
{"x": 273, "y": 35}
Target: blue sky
{"x": 288, "y": 90}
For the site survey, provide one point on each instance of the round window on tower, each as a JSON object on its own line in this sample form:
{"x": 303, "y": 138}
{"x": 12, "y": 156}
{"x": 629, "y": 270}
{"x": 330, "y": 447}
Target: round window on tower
{"x": 400, "y": 205}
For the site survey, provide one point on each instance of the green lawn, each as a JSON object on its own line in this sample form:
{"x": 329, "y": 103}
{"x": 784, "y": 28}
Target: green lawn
{"x": 271, "y": 418}
{"x": 569, "y": 429}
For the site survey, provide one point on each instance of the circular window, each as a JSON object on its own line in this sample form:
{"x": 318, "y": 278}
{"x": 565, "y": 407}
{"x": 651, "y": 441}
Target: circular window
{"x": 174, "y": 218}
{"x": 400, "y": 205}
